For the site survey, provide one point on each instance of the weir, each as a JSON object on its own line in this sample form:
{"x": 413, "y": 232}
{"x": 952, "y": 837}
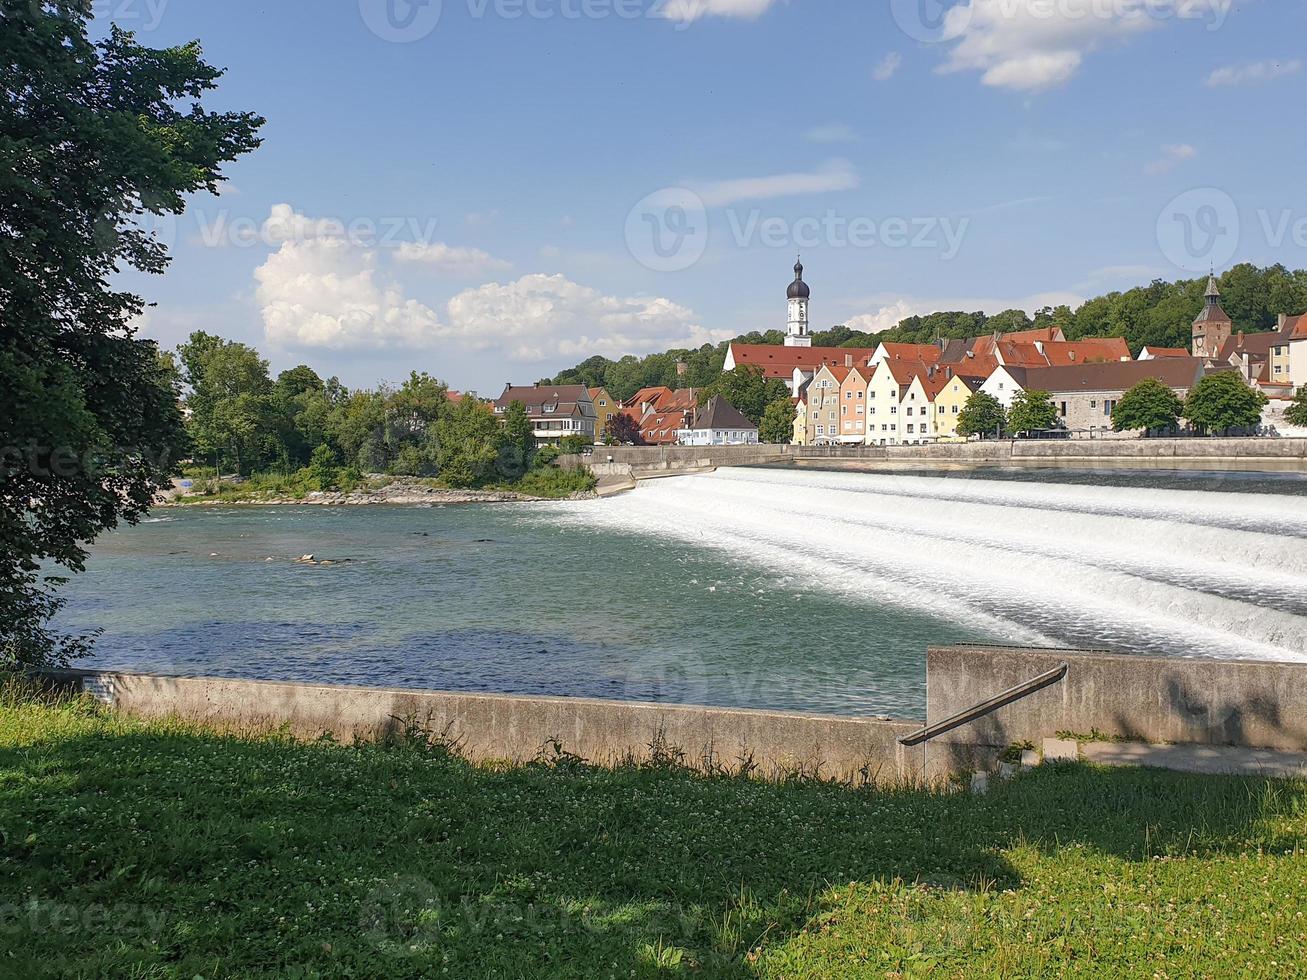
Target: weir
{"x": 1145, "y": 700}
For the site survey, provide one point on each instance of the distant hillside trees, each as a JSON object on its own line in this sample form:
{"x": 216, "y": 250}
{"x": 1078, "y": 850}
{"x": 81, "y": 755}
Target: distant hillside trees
{"x": 1160, "y": 314}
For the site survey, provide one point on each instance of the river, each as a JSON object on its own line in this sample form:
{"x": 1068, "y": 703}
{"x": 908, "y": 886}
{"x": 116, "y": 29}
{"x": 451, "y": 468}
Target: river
{"x": 789, "y": 589}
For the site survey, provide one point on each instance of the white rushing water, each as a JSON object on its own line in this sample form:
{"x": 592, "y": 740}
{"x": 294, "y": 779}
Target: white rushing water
{"x": 1177, "y": 572}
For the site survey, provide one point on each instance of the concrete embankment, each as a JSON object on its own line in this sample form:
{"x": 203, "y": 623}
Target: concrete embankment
{"x": 1210, "y": 703}
{"x": 630, "y": 464}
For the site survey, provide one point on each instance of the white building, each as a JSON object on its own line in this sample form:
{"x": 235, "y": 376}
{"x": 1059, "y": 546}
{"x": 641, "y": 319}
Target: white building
{"x": 718, "y": 423}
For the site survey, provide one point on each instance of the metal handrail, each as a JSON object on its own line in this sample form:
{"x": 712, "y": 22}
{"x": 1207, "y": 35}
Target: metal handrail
{"x": 986, "y": 707}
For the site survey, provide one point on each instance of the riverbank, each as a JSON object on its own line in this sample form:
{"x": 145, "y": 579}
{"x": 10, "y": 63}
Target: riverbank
{"x": 393, "y": 491}
{"x": 167, "y": 850}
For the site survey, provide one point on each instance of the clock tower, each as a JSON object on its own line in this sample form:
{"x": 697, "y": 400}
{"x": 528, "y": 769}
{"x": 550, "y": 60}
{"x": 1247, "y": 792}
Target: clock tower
{"x": 796, "y": 333}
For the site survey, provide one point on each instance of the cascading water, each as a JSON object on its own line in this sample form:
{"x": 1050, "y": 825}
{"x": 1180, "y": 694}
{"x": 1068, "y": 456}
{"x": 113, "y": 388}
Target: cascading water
{"x": 1158, "y": 571}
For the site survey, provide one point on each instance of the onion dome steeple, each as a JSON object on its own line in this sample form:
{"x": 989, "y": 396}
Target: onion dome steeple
{"x": 798, "y": 289}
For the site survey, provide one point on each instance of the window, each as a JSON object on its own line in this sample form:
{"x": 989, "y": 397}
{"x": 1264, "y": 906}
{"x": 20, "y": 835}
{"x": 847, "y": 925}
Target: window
{"x": 1063, "y": 410}
{"x": 848, "y": 395}
{"x": 821, "y": 430}
{"x": 955, "y": 410}
{"x": 911, "y": 427}
{"x": 1093, "y": 403}
{"x": 894, "y": 410}
{"x": 859, "y": 409}
{"x": 859, "y": 394}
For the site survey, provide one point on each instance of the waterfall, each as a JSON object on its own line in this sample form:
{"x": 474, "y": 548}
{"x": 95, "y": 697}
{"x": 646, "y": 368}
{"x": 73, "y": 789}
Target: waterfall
{"x": 1157, "y": 571}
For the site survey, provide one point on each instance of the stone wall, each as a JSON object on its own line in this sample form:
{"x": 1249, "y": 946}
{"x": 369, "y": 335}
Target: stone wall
{"x": 501, "y": 727}
{"x": 1257, "y": 704}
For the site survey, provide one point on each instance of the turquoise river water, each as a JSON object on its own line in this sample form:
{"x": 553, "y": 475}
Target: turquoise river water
{"x": 788, "y": 589}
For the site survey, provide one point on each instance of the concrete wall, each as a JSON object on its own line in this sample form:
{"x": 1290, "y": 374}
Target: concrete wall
{"x": 516, "y": 728}
{"x": 1155, "y": 699}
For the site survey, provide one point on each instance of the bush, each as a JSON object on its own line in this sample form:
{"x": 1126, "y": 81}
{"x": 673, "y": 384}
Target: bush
{"x": 555, "y": 482}
{"x": 574, "y": 445}
{"x": 546, "y": 456}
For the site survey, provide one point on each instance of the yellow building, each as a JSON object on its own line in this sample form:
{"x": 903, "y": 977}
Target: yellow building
{"x": 606, "y": 407}
{"x": 800, "y": 437}
{"x": 950, "y": 401}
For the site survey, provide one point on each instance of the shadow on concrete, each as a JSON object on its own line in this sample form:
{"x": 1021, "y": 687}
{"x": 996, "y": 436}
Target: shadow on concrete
{"x": 270, "y": 853}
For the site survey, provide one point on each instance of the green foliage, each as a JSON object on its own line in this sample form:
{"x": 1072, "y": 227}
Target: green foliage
{"x": 519, "y": 433}
{"x": 1224, "y": 401}
{"x": 95, "y": 140}
{"x": 405, "y": 860}
{"x": 1296, "y": 413}
{"x": 622, "y": 430}
{"x": 982, "y": 415}
{"x": 469, "y": 439}
{"x": 1160, "y": 313}
{"x": 322, "y": 468}
{"x": 748, "y": 389}
{"x": 777, "y": 425}
{"x": 234, "y": 412}
{"x": 1149, "y": 405}
{"x": 574, "y": 445}
{"x": 1032, "y": 411}
{"x": 554, "y": 482}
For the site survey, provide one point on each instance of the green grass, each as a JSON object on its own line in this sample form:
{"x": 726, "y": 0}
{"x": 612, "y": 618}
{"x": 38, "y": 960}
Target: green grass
{"x": 160, "y": 849}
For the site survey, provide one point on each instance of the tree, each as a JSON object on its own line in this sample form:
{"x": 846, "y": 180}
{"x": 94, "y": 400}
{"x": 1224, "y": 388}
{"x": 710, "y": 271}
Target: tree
{"x": 1149, "y": 405}
{"x": 1296, "y": 413}
{"x": 748, "y": 389}
{"x": 518, "y": 439}
{"x": 623, "y": 430}
{"x": 234, "y": 414}
{"x": 777, "y": 423}
{"x": 93, "y": 137}
{"x": 1031, "y": 411}
{"x": 469, "y": 439}
{"x": 1224, "y": 401}
{"x": 982, "y": 415}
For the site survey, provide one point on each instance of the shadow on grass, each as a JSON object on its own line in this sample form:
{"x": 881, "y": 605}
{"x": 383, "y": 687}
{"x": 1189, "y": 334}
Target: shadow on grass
{"x": 175, "y": 852}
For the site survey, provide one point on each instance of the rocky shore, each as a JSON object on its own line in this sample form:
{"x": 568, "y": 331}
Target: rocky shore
{"x": 397, "y": 493}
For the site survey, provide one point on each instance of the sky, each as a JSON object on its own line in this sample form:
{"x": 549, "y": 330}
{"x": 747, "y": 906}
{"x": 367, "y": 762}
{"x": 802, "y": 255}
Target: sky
{"x": 493, "y": 190}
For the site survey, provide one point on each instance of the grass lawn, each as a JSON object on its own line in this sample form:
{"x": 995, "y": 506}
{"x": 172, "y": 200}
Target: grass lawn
{"x": 132, "y": 849}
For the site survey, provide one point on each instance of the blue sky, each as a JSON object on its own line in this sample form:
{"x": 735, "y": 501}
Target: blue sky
{"x": 477, "y": 195}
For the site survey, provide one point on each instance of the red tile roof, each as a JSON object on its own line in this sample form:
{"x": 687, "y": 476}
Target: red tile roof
{"x": 1089, "y": 350}
{"x": 1167, "y": 351}
{"x": 779, "y": 362}
{"x": 1296, "y": 327}
{"x": 913, "y": 352}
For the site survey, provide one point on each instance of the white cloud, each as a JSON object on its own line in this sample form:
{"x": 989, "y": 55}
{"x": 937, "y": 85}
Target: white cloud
{"x": 838, "y": 175}
{"x": 1029, "y": 45}
{"x": 452, "y": 259}
{"x": 328, "y": 293}
{"x": 884, "y": 318}
{"x": 539, "y": 317}
{"x": 1261, "y": 71}
{"x": 1172, "y": 156}
{"x": 285, "y": 224}
{"x": 832, "y": 133}
{"x": 887, "y": 66}
{"x": 688, "y": 11}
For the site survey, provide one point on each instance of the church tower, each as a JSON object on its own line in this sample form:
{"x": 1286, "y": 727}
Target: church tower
{"x": 796, "y": 333}
{"x": 1213, "y": 326}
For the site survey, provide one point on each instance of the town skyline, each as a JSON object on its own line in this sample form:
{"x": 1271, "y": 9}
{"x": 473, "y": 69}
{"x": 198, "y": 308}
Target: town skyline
{"x": 376, "y": 232}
